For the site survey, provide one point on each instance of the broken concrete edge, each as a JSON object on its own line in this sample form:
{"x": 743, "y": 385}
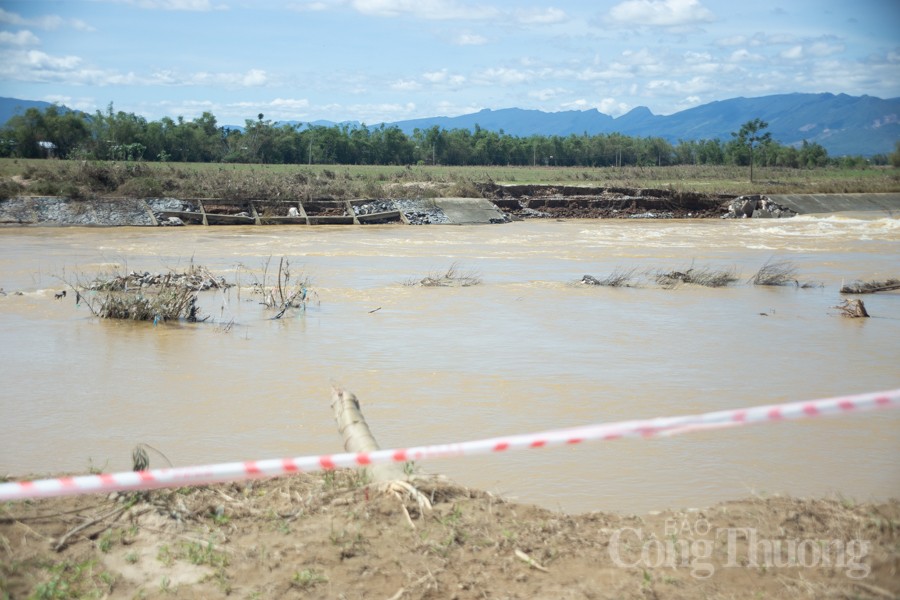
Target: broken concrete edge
{"x": 509, "y": 203}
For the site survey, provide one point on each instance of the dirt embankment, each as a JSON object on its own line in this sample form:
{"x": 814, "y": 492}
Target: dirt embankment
{"x": 573, "y": 202}
{"x": 335, "y": 536}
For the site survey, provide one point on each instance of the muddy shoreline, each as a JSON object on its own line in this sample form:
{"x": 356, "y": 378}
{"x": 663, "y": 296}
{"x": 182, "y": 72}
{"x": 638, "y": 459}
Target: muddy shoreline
{"x": 335, "y": 535}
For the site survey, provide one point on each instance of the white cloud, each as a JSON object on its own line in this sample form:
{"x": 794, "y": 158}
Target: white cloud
{"x": 444, "y": 77}
{"x": 470, "y": 39}
{"x": 437, "y": 10}
{"x": 406, "y": 85}
{"x": 185, "y": 5}
{"x": 793, "y": 53}
{"x": 694, "y": 86}
{"x": 546, "y": 93}
{"x": 612, "y": 107}
{"x": 773, "y": 39}
{"x": 375, "y": 113}
{"x": 661, "y": 13}
{"x": 254, "y": 77}
{"x": 86, "y": 103}
{"x": 22, "y": 38}
{"x": 308, "y": 6}
{"x": 290, "y": 103}
{"x": 824, "y": 49}
{"x": 46, "y": 22}
{"x": 546, "y": 16}
{"x": 503, "y": 76}
{"x": 744, "y": 55}
{"x": 35, "y": 59}
{"x": 734, "y": 40}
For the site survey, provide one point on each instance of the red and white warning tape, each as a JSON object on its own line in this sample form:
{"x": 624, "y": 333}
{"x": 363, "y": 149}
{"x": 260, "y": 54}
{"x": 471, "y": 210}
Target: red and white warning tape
{"x": 659, "y": 427}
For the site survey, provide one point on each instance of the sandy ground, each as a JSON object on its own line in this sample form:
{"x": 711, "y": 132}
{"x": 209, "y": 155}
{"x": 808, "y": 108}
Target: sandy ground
{"x": 333, "y": 535}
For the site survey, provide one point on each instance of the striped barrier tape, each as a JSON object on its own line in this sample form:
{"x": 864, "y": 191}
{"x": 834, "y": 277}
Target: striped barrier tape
{"x": 659, "y": 427}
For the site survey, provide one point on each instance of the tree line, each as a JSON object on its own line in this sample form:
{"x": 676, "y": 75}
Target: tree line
{"x": 117, "y": 135}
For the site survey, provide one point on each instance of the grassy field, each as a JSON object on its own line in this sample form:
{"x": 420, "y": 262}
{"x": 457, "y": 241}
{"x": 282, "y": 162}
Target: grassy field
{"x": 89, "y": 179}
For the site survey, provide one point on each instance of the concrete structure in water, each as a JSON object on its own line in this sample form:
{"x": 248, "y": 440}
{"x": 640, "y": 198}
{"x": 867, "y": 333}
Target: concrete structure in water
{"x": 148, "y": 212}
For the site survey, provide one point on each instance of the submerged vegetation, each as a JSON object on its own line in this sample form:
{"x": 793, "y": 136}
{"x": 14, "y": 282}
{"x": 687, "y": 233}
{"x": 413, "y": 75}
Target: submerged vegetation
{"x": 452, "y": 277}
{"x": 148, "y": 297}
{"x": 772, "y": 273}
{"x": 704, "y": 276}
{"x": 172, "y": 296}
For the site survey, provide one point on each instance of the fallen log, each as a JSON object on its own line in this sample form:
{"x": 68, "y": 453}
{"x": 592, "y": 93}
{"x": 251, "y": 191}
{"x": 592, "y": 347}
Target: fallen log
{"x": 871, "y": 287}
{"x": 357, "y": 436}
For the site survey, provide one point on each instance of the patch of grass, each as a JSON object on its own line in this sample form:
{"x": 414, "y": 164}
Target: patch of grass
{"x": 69, "y": 579}
{"x": 307, "y": 578}
{"x": 245, "y": 181}
{"x": 203, "y": 554}
{"x": 165, "y": 556}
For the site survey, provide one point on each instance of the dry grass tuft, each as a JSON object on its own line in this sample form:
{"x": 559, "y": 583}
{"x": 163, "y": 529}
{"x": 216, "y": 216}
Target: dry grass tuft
{"x": 704, "y": 276}
{"x": 780, "y": 272}
{"x": 618, "y": 278}
{"x": 453, "y": 277}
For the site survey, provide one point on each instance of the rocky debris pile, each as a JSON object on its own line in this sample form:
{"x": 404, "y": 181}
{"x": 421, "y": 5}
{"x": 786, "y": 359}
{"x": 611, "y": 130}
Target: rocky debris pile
{"x": 530, "y": 213}
{"x": 66, "y": 211}
{"x": 195, "y": 279}
{"x": 160, "y": 206}
{"x": 419, "y": 212}
{"x": 373, "y": 207}
{"x": 757, "y": 207}
{"x": 653, "y": 215}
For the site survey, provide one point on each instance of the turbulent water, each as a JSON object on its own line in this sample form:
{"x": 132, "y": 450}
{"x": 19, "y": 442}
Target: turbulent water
{"x": 527, "y": 350}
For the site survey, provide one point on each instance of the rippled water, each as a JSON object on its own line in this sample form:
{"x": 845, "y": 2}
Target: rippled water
{"x": 524, "y": 351}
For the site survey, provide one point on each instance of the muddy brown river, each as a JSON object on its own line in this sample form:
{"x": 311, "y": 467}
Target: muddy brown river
{"x": 526, "y": 350}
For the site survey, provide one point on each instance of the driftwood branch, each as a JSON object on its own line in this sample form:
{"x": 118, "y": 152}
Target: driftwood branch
{"x": 853, "y": 308}
{"x": 358, "y": 437}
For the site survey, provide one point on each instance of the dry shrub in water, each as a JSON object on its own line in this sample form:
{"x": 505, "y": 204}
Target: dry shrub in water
{"x": 780, "y": 272}
{"x": 453, "y": 277}
{"x": 870, "y": 287}
{"x": 287, "y": 292}
{"x": 166, "y": 303}
{"x": 618, "y": 278}
{"x": 854, "y": 309}
{"x": 697, "y": 276}
{"x": 146, "y": 297}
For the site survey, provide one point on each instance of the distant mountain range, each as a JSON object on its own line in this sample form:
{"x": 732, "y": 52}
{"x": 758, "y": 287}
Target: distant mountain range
{"x": 13, "y": 106}
{"x": 843, "y": 124}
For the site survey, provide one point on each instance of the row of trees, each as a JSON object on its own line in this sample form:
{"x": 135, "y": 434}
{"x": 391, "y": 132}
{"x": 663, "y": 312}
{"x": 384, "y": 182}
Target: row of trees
{"x": 113, "y": 135}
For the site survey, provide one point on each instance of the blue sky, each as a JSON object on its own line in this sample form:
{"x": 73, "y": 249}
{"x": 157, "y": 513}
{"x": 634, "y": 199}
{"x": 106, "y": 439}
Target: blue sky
{"x": 389, "y": 60}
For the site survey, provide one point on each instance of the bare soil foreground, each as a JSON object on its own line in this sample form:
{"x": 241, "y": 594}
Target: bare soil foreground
{"x": 333, "y": 535}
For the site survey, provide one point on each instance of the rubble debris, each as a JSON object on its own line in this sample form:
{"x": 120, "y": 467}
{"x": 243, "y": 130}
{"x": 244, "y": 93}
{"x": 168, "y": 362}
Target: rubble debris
{"x": 756, "y": 207}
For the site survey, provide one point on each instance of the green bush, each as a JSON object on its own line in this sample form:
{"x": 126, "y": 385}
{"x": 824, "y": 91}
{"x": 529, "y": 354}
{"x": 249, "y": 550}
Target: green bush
{"x": 142, "y": 187}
